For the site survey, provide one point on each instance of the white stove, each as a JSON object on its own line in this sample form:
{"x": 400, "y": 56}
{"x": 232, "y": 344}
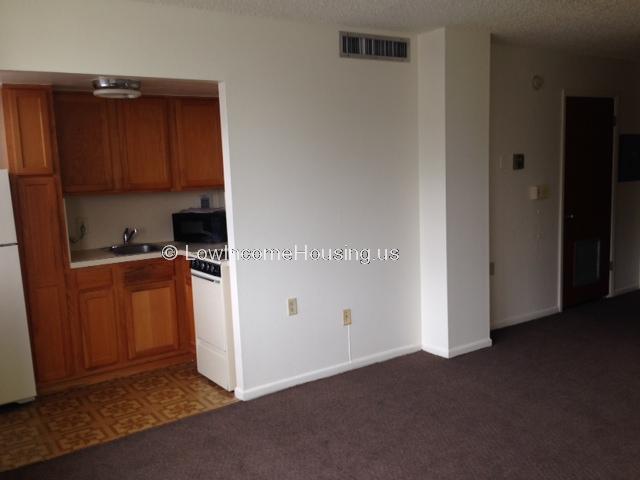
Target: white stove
{"x": 212, "y": 314}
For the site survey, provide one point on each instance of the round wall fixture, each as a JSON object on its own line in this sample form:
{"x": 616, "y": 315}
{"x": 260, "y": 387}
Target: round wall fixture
{"x": 116, "y": 88}
{"x": 537, "y": 82}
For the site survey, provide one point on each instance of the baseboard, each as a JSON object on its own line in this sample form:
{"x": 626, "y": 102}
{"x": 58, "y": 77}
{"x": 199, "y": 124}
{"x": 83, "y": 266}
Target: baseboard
{"x": 259, "y": 391}
{"x": 459, "y": 350}
{"x": 435, "y": 350}
{"x": 623, "y": 290}
{"x": 527, "y": 317}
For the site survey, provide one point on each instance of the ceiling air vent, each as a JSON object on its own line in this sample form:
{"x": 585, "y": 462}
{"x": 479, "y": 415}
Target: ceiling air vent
{"x": 375, "y": 47}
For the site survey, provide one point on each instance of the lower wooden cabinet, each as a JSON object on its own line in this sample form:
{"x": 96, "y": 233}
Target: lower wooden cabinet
{"x": 152, "y": 318}
{"x": 126, "y": 316}
{"x": 98, "y": 314}
{"x": 49, "y": 332}
{"x": 97, "y": 318}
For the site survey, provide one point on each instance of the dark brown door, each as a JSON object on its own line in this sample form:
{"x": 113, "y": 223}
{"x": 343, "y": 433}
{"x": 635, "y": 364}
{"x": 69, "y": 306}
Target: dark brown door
{"x": 588, "y": 153}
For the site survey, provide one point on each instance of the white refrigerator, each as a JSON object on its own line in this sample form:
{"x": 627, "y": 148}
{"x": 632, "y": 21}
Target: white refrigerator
{"x": 17, "y": 383}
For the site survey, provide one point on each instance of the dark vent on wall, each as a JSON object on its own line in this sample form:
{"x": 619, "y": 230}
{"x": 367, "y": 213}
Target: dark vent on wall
{"x": 376, "y": 47}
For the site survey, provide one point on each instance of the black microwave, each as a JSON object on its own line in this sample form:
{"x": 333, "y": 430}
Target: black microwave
{"x": 200, "y": 225}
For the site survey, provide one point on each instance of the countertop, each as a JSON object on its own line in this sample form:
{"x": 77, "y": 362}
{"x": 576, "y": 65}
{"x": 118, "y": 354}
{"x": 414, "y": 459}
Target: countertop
{"x": 102, "y": 256}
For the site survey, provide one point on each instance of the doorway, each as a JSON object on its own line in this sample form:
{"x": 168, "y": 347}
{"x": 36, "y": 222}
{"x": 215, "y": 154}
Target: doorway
{"x": 588, "y": 164}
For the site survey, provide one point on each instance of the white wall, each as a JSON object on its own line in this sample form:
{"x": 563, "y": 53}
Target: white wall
{"x": 322, "y": 150}
{"x": 433, "y": 190}
{"x": 467, "y": 117}
{"x": 453, "y": 118}
{"x": 106, "y": 216}
{"x": 524, "y": 233}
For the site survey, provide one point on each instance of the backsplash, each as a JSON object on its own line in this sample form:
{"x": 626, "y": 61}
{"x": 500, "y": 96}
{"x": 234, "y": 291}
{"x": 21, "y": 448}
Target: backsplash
{"x": 106, "y": 216}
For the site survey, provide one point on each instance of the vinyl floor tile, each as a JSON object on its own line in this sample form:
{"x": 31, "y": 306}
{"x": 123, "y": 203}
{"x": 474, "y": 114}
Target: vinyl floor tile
{"x": 56, "y": 424}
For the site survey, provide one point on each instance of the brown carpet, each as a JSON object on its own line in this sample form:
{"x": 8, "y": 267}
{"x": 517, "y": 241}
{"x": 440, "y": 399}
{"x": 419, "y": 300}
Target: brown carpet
{"x": 558, "y": 398}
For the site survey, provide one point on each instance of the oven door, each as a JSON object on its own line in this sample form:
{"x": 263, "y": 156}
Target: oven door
{"x": 213, "y": 355}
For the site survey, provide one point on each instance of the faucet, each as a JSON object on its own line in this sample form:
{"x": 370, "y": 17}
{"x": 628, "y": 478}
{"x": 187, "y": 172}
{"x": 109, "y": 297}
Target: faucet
{"x": 128, "y": 235}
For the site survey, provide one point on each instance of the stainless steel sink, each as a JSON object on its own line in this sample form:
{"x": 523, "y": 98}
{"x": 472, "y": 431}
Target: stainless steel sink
{"x": 133, "y": 249}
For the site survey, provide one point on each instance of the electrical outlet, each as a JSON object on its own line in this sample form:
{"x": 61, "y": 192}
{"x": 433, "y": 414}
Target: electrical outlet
{"x": 292, "y": 306}
{"x": 81, "y": 228}
{"x": 346, "y": 317}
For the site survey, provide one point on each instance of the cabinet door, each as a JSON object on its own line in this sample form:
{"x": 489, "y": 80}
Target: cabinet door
{"x": 152, "y": 318}
{"x": 43, "y": 265}
{"x": 85, "y": 128}
{"x": 27, "y": 117}
{"x": 144, "y": 129}
{"x": 98, "y": 315}
{"x": 198, "y": 142}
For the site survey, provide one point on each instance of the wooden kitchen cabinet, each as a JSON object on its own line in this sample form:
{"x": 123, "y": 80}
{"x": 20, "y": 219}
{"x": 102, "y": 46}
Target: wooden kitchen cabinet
{"x": 198, "y": 139}
{"x": 152, "y": 318}
{"x": 151, "y": 308}
{"x": 128, "y": 317}
{"x": 98, "y": 317}
{"x": 27, "y": 114}
{"x": 146, "y": 149}
{"x": 86, "y": 128}
{"x": 146, "y": 144}
{"x": 43, "y": 257}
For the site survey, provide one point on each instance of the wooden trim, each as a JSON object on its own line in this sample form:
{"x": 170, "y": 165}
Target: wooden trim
{"x": 176, "y": 164}
{"x": 4, "y": 154}
{"x": 92, "y": 377}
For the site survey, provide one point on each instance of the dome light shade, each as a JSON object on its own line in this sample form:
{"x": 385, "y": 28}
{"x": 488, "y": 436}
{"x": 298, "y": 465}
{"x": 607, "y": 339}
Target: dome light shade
{"x": 116, "y": 88}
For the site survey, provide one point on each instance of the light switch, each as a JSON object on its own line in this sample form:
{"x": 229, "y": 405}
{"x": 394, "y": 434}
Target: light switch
{"x": 292, "y": 306}
{"x": 518, "y": 161}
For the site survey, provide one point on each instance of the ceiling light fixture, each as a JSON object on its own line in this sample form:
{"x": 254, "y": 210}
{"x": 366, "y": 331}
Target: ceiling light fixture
{"x": 116, "y": 88}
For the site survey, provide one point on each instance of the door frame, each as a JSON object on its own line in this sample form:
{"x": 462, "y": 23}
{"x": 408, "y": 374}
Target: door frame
{"x": 614, "y": 176}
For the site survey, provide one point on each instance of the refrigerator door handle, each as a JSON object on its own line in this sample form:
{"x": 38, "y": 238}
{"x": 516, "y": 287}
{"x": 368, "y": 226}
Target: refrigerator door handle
{"x": 7, "y": 244}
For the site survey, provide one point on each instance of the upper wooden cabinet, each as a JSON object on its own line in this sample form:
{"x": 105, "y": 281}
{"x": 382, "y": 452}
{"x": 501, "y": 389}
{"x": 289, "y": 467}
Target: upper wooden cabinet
{"x": 146, "y": 150}
{"x": 198, "y": 142}
{"x": 86, "y": 129}
{"x": 146, "y": 144}
{"x": 28, "y": 129}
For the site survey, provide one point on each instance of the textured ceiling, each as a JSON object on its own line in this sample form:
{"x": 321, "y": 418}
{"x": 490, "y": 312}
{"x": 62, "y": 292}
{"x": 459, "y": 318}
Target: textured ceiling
{"x": 598, "y": 27}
